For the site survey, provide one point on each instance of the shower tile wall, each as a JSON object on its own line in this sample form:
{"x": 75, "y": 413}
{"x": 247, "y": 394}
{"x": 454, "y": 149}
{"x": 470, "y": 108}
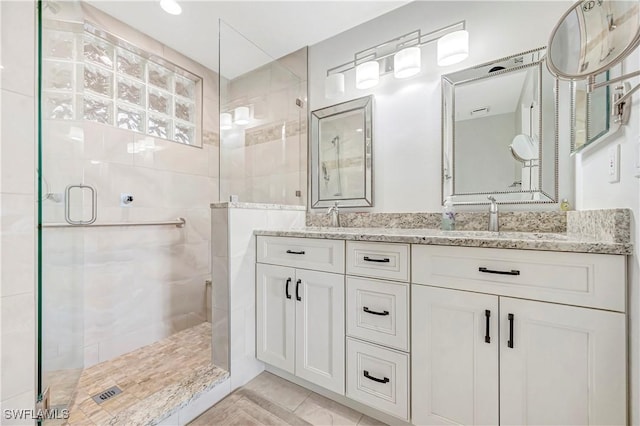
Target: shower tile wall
{"x": 137, "y": 284}
{"x": 266, "y": 163}
{"x": 18, "y": 207}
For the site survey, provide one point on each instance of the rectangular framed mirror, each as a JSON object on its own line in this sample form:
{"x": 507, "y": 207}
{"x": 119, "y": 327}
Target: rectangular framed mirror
{"x": 591, "y": 117}
{"x": 500, "y": 132}
{"x": 341, "y": 154}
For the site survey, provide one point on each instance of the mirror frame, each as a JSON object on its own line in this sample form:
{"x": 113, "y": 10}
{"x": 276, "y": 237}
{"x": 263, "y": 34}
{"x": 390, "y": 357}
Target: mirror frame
{"x": 366, "y": 105}
{"x": 468, "y": 75}
{"x": 621, "y": 56}
{"x": 613, "y": 126}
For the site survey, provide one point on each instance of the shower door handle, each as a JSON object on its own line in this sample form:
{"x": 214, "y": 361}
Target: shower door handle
{"x": 67, "y": 205}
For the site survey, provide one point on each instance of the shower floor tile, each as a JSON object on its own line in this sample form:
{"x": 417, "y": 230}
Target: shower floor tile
{"x": 156, "y": 380}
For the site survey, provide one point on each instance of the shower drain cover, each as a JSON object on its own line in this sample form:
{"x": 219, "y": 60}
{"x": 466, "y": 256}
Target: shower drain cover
{"x": 107, "y": 394}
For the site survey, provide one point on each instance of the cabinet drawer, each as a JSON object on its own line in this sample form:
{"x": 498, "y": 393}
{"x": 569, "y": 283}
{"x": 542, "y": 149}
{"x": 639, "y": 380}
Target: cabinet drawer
{"x": 582, "y": 279}
{"x": 378, "y": 260}
{"x": 378, "y": 377}
{"x": 306, "y": 253}
{"x": 378, "y": 311}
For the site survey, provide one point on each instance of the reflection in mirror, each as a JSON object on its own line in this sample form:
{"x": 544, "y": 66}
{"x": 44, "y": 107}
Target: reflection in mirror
{"x": 590, "y": 115}
{"x": 341, "y": 154}
{"x": 590, "y": 38}
{"x": 499, "y": 132}
{"x": 593, "y": 36}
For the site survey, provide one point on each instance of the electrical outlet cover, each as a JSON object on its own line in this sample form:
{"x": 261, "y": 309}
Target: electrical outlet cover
{"x": 613, "y": 164}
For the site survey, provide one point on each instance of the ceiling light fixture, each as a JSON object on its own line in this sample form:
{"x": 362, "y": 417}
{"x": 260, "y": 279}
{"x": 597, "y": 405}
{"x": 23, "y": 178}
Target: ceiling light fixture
{"x": 171, "y": 7}
{"x": 401, "y": 55}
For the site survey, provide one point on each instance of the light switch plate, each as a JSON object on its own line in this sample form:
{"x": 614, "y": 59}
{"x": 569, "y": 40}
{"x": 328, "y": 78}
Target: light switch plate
{"x": 613, "y": 164}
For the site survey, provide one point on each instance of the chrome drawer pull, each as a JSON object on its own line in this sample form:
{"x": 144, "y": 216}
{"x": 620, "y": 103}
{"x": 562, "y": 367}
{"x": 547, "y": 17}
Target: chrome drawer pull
{"x": 375, "y": 379}
{"x": 385, "y": 260}
{"x": 295, "y": 252}
{"x": 491, "y": 271}
{"x": 367, "y": 310}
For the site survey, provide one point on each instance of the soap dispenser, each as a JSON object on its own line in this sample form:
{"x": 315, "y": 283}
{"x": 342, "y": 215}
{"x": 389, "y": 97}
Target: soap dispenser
{"x": 448, "y": 215}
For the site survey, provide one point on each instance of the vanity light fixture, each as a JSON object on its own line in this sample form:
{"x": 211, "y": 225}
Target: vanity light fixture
{"x": 406, "y": 62}
{"x": 241, "y": 115}
{"x": 401, "y": 55}
{"x": 334, "y": 86}
{"x": 453, "y": 48}
{"x": 171, "y": 7}
{"x": 367, "y": 74}
{"x": 225, "y": 121}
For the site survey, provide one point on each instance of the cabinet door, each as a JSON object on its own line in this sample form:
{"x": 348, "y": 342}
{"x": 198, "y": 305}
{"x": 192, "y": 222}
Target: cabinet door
{"x": 320, "y": 354}
{"x": 561, "y": 364}
{"x": 275, "y": 316}
{"x": 454, "y": 357}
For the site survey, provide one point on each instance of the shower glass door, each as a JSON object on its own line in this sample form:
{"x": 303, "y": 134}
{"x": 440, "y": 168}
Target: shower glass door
{"x": 263, "y": 110}
{"x": 61, "y": 246}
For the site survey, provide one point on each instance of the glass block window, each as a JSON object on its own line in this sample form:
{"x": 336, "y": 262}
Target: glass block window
{"x": 97, "y": 77}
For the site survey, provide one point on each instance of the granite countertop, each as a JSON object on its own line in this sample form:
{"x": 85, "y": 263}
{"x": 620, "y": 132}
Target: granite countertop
{"x": 506, "y": 240}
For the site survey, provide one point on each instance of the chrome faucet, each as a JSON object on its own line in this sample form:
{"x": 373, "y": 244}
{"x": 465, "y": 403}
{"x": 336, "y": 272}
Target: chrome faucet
{"x": 494, "y": 224}
{"x": 334, "y": 212}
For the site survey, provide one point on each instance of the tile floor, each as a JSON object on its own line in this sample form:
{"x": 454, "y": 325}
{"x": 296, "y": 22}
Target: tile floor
{"x": 155, "y": 380}
{"x": 271, "y": 400}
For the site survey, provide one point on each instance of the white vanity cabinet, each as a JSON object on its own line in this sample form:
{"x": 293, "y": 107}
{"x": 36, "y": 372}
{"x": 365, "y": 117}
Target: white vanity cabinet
{"x": 446, "y": 335}
{"x": 378, "y": 326}
{"x": 488, "y": 358}
{"x": 455, "y": 357}
{"x": 300, "y": 313}
{"x": 561, "y": 364}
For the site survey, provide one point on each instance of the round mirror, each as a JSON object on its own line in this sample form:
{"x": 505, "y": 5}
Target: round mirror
{"x": 523, "y": 148}
{"x": 593, "y": 36}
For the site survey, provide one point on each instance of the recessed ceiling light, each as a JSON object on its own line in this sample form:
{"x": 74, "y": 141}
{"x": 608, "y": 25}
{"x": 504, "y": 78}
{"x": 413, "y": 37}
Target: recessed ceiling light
{"x": 171, "y": 6}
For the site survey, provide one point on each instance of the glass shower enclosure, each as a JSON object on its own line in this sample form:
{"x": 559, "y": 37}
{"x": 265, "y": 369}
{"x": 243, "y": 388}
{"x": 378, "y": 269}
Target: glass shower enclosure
{"x": 133, "y": 147}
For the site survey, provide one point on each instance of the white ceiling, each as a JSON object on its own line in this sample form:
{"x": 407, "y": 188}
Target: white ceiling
{"x": 500, "y": 95}
{"x": 277, "y": 27}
